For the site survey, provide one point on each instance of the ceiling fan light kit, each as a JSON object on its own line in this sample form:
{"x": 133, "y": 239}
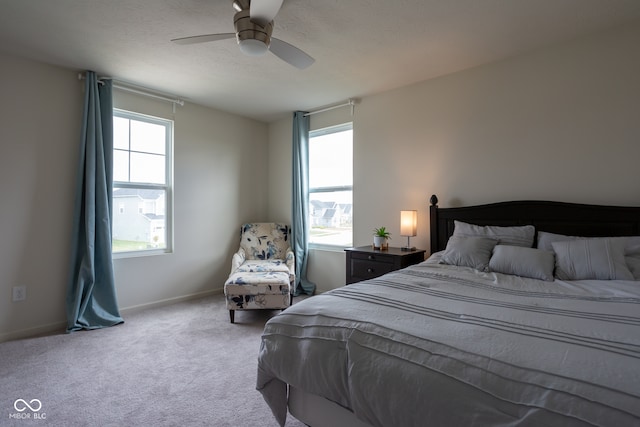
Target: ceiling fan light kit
{"x": 253, "y": 23}
{"x": 253, "y": 38}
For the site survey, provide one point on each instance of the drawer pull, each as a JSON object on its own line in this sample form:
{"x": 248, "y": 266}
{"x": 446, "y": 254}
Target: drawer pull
{"x": 371, "y": 257}
{"x": 369, "y": 270}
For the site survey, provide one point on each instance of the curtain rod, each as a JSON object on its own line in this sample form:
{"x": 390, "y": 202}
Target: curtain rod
{"x": 351, "y": 102}
{"x": 140, "y": 91}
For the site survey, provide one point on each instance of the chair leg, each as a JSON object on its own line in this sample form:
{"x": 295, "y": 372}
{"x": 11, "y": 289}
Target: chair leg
{"x": 290, "y": 299}
{"x": 232, "y": 315}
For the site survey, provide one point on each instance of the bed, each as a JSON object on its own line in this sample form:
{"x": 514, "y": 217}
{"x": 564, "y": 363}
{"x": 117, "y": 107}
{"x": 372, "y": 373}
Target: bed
{"x": 527, "y": 313}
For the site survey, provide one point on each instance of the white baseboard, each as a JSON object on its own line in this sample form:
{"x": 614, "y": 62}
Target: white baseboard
{"x": 60, "y": 327}
{"x": 137, "y": 308}
{"x": 36, "y": 331}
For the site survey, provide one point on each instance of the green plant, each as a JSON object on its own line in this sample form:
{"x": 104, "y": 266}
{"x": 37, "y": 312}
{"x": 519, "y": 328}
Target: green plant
{"x": 382, "y": 232}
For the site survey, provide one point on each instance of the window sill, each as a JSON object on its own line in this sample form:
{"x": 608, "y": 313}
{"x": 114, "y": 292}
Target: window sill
{"x": 138, "y": 254}
{"x": 327, "y": 248}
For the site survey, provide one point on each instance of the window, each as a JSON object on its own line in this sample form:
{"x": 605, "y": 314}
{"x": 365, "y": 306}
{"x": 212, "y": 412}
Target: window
{"x": 331, "y": 186}
{"x": 142, "y": 147}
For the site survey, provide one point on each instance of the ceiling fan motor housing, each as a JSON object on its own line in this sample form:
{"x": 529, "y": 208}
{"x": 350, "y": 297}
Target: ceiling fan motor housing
{"x": 254, "y": 39}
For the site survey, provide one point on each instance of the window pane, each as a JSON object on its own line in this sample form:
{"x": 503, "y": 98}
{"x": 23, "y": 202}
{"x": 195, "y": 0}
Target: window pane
{"x": 139, "y": 219}
{"x": 331, "y": 218}
{"x": 120, "y": 133}
{"x": 148, "y": 137}
{"x": 120, "y": 165}
{"x": 331, "y": 160}
{"x": 141, "y": 182}
{"x": 149, "y": 168}
{"x": 331, "y": 182}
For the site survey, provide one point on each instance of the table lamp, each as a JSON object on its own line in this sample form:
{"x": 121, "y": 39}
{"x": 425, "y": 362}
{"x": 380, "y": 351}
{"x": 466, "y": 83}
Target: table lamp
{"x": 408, "y": 227}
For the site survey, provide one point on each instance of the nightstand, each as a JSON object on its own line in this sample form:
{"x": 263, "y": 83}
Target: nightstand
{"x": 364, "y": 262}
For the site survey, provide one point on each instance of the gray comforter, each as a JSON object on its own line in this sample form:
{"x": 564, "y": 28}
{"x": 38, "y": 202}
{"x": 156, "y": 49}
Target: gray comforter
{"x": 437, "y": 345}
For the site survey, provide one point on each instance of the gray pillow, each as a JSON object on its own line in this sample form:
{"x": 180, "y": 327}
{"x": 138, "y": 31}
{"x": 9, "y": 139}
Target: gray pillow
{"x": 632, "y": 256}
{"x": 524, "y": 262}
{"x": 631, "y": 249}
{"x": 633, "y": 262}
{"x": 584, "y": 259}
{"x": 516, "y": 236}
{"x": 473, "y": 252}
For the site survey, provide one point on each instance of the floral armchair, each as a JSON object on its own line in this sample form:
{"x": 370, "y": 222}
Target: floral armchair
{"x": 262, "y": 270}
{"x": 265, "y": 246}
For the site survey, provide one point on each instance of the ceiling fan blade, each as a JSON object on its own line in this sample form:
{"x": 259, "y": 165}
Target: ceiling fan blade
{"x": 263, "y": 11}
{"x": 204, "y": 38}
{"x": 290, "y": 54}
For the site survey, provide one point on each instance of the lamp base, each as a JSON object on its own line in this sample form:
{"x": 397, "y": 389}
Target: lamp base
{"x": 408, "y": 248}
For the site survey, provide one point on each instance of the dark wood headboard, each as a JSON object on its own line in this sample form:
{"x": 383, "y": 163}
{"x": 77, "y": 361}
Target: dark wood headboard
{"x": 555, "y": 217}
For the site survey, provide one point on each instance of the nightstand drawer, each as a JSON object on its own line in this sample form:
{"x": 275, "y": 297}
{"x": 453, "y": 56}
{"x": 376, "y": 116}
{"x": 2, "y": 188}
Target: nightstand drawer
{"x": 372, "y": 257}
{"x": 367, "y": 263}
{"x": 369, "y": 269}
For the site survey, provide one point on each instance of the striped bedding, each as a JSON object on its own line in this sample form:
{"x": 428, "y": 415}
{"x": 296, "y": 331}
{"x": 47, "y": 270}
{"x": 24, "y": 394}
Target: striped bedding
{"x": 436, "y": 345}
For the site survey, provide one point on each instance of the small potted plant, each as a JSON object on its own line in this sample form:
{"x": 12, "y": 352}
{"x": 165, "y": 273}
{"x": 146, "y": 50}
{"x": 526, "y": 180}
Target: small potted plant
{"x": 380, "y": 238}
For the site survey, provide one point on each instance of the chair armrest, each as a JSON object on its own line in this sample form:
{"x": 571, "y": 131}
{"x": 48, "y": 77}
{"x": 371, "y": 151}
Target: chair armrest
{"x": 290, "y": 261}
{"x": 237, "y": 259}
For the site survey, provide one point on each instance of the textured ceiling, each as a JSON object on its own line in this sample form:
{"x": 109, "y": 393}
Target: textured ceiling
{"x": 361, "y": 47}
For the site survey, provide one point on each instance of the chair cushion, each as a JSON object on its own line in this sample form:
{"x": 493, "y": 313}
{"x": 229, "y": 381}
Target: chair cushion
{"x": 258, "y": 265}
{"x": 268, "y": 282}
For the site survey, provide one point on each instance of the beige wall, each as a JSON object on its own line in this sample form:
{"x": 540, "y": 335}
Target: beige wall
{"x": 38, "y": 157}
{"x": 220, "y": 181}
{"x": 560, "y": 123}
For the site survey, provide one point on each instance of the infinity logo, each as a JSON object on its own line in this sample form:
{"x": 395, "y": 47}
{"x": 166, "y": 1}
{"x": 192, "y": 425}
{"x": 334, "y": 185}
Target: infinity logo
{"x": 24, "y": 405}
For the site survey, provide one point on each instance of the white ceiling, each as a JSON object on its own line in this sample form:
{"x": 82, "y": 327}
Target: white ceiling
{"x": 361, "y": 47}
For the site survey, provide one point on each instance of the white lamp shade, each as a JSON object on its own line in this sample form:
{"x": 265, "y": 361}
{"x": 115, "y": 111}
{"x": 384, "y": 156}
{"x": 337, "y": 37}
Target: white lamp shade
{"x": 408, "y": 223}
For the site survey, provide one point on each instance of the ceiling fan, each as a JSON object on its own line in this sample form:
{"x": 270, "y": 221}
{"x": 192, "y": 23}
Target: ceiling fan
{"x": 253, "y": 22}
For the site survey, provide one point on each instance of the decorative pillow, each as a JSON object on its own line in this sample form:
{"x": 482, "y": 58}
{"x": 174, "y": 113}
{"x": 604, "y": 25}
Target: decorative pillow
{"x": 632, "y": 256}
{"x": 583, "y": 259}
{"x": 631, "y": 248}
{"x": 516, "y": 236}
{"x": 524, "y": 262}
{"x": 472, "y": 252}
{"x": 545, "y": 239}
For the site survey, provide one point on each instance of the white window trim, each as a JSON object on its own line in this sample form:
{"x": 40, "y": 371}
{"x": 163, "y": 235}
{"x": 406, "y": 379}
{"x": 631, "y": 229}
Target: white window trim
{"x": 315, "y": 133}
{"x": 168, "y": 187}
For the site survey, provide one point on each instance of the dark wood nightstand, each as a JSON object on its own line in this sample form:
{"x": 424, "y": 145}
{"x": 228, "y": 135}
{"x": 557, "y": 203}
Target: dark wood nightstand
{"x": 364, "y": 262}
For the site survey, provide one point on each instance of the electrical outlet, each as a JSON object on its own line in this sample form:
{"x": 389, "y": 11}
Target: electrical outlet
{"x": 19, "y": 293}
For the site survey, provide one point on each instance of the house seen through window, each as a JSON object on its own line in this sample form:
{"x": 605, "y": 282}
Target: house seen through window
{"x": 331, "y": 186}
{"x": 142, "y": 147}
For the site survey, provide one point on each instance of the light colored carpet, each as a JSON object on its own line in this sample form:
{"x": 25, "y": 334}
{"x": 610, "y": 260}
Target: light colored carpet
{"x": 179, "y": 365}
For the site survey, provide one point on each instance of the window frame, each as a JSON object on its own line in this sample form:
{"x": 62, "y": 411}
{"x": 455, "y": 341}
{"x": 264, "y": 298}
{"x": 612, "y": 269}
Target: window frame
{"x": 167, "y": 187}
{"x": 331, "y": 189}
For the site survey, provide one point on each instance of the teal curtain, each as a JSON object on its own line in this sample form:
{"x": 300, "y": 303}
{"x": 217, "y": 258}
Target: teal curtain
{"x": 91, "y": 297}
{"x": 300, "y": 202}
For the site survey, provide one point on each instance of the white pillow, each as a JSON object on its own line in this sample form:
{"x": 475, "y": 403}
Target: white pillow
{"x": 473, "y": 252}
{"x": 524, "y": 262}
{"x": 516, "y": 236}
{"x": 584, "y": 259}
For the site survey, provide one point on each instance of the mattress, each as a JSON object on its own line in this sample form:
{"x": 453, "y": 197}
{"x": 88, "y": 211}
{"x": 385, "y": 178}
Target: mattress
{"x": 440, "y": 345}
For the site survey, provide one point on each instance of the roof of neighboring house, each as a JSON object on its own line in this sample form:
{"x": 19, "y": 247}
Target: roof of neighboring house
{"x": 153, "y": 216}
{"x": 329, "y": 213}
{"x": 322, "y": 205}
{"x": 141, "y": 193}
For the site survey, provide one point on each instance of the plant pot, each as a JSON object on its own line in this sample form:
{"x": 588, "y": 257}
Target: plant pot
{"x": 380, "y": 242}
